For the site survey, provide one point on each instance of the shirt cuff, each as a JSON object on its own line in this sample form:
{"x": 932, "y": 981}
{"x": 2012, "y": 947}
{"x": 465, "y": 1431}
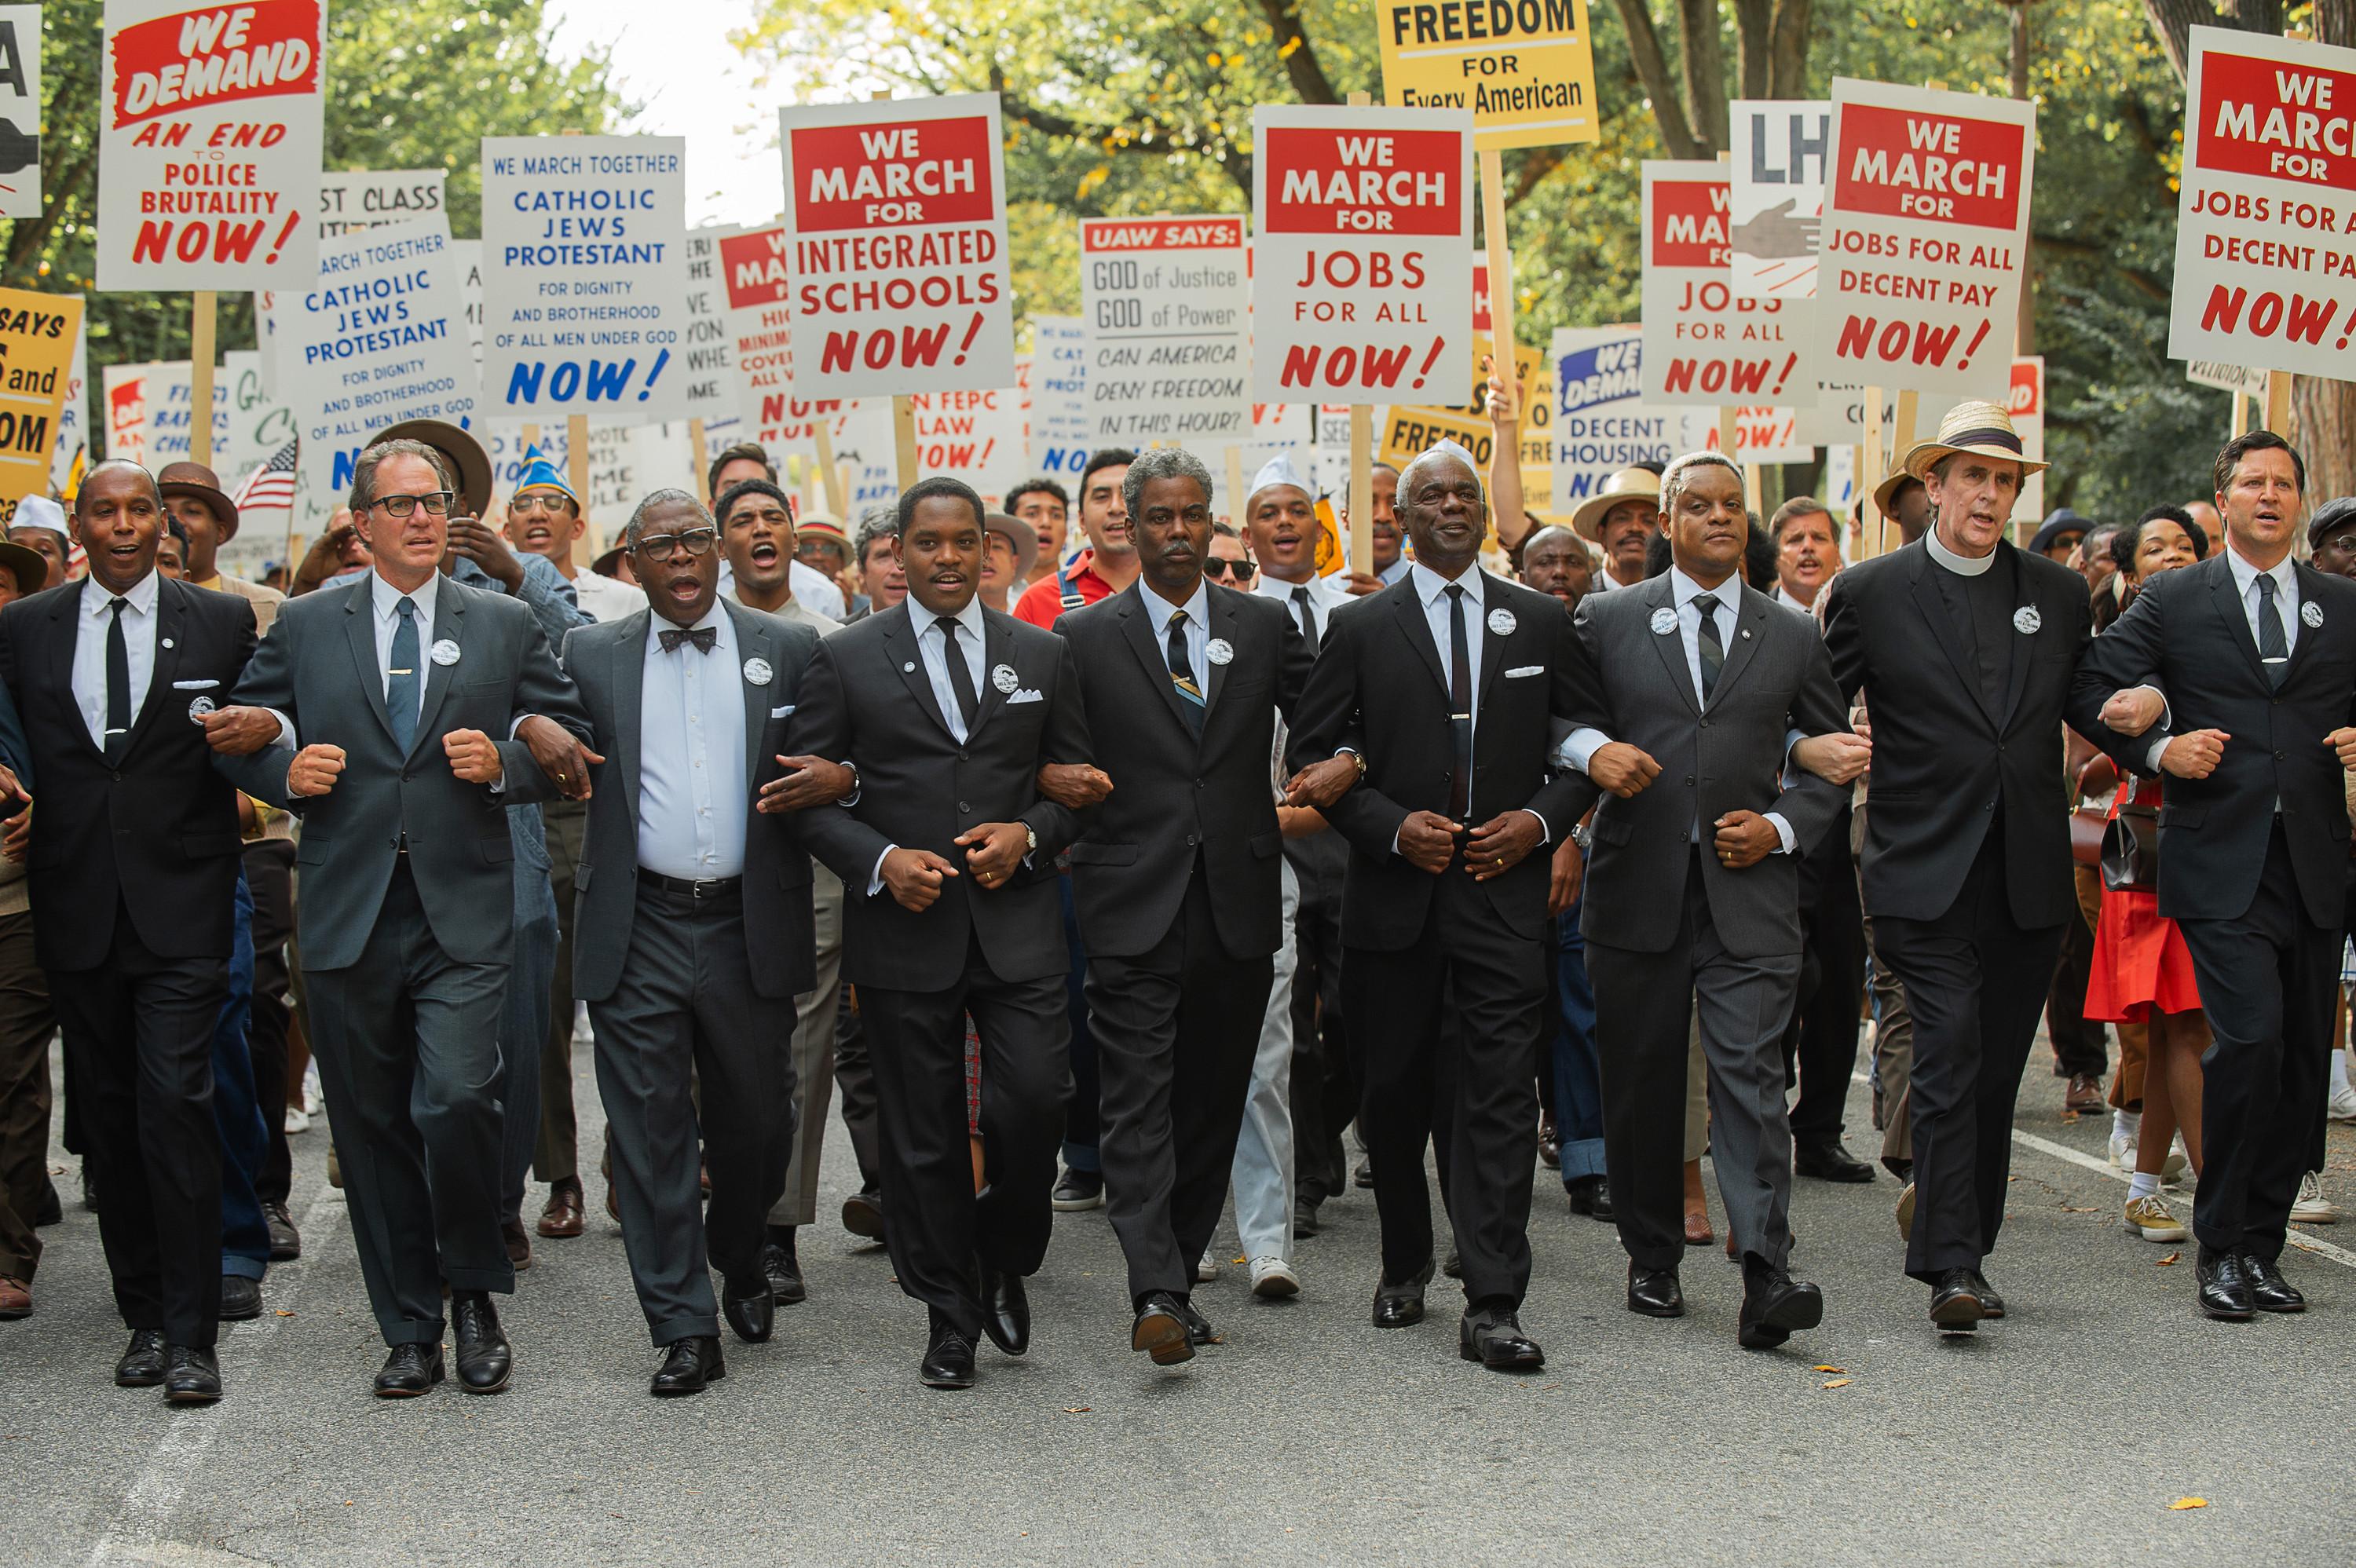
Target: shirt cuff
{"x": 1578, "y": 748}
{"x": 1546, "y": 833}
{"x": 2152, "y": 757}
{"x": 1782, "y": 832}
{"x": 875, "y": 878}
{"x": 286, "y": 736}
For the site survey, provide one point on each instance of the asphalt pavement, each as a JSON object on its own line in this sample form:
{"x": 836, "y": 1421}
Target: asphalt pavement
{"x": 2062, "y": 1434}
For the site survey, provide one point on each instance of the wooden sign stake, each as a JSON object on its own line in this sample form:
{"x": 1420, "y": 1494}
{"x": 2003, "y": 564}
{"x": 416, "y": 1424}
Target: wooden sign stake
{"x": 2241, "y": 415}
{"x": 1872, "y": 466}
{"x": 1235, "y": 487}
{"x": 2278, "y": 402}
{"x": 576, "y": 458}
{"x": 699, "y": 450}
{"x": 829, "y": 472}
{"x": 202, "y": 319}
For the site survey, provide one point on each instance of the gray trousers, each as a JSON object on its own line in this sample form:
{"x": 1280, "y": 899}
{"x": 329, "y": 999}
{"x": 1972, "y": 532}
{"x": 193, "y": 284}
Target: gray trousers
{"x": 814, "y": 1013}
{"x": 1645, "y": 1005}
{"x": 684, "y": 1005}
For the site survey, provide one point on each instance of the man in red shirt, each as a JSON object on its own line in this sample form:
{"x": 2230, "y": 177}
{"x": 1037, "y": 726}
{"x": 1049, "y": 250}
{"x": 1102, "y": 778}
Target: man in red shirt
{"x": 1109, "y": 564}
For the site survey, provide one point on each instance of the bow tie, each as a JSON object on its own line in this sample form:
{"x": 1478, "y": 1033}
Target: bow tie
{"x": 703, "y": 637}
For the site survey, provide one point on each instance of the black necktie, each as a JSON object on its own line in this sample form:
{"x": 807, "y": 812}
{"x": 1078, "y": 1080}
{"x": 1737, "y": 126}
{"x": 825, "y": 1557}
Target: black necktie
{"x": 703, "y": 637}
{"x": 1713, "y": 652}
{"x": 961, "y": 678}
{"x": 400, "y": 671}
{"x": 2273, "y": 649}
{"x": 1459, "y": 705}
{"x": 118, "y": 684}
{"x": 1182, "y": 675}
{"x": 1308, "y": 617}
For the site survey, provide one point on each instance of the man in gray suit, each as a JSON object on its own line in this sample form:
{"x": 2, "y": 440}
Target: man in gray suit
{"x": 692, "y": 928}
{"x": 1705, "y": 686}
{"x": 373, "y": 712}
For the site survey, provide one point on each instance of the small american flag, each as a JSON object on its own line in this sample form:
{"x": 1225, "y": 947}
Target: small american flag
{"x": 269, "y": 486}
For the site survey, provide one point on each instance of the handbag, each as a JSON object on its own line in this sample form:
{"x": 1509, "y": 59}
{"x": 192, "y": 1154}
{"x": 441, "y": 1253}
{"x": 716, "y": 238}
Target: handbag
{"x": 2131, "y": 850}
{"x": 2097, "y": 776}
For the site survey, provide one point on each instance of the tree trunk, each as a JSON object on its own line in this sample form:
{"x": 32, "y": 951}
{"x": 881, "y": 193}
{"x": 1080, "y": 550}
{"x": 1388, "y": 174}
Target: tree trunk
{"x": 1704, "y": 59}
{"x": 1754, "y": 33}
{"x": 1787, "y": 75}
{"x": 2323, "y": 426}
{"x": 1653, "y": 70}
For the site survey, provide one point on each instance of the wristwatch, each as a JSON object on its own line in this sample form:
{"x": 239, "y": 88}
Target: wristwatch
{"x": 1031, "y": 839}
{"x": 1583, "y": 835}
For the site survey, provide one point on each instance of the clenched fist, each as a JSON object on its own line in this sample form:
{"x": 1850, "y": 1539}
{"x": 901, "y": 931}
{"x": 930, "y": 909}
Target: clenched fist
{"x": 313, "y": 771}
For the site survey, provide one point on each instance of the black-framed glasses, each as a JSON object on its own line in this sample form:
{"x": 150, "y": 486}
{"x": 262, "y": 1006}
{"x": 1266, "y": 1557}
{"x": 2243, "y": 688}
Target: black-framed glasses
{"x": 1219, "y": 566}
{"x": 435, "y": 502}
{"x": 697, "y": 541}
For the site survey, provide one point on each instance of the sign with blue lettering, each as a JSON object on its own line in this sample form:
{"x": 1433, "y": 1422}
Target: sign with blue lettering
{"x": 1601, "y": 423}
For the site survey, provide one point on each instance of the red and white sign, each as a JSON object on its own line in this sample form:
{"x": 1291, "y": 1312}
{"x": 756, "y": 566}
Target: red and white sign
{"x": 1703, "y": 342}
{"x": 2027, "y": 402}
{"x": 1168, "y": 307}
{"x": 895, "y": 222}
{"x": 973, "y": 436}
{"x": 208, "y": 144}
{"x": 1925, "y": 233}
{"x": 2265, "y": 267}
{"x": 753, "y": 285}
{"x": 1362, "y": 275}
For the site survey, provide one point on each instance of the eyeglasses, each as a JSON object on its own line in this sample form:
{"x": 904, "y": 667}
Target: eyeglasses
{"x": 1219, "y": 566}
{"x": 435, "y": 502}
{"x": 698, "y": 542}
{"x": 549, "y": 501}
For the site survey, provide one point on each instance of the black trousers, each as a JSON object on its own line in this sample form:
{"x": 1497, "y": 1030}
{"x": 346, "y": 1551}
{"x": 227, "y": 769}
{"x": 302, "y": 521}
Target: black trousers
{"x": 139, "y": 1061}
{"x": 269, "y": 877}
{"x": 1176, "y": 1027}
{"x": 2079, "y": 1044}
{"x": 854, "y": 1080}
{"x": 939, "y": 1225}
{"x": 2265, "y": 984}
{"x": 1971, "y": 980}
{"x": 685, "y": 1008}
{"x": 1470, "y": 1085}
{"x": 26, "y": 1023}
{"x": 1820, "y": 1041}
{"x": 1327, "y": 1083}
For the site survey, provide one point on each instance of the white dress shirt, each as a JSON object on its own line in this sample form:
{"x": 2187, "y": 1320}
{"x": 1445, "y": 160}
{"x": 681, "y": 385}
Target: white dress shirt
{"x": 385, "y": 600}
{"x": 817, "y": 589}
{"x": 1607, "y": 583}
{"x": 1158, "y": 611}
{"x": 1431, "y": 589}
{"x": 1395, "y": 570}
{"x": 139, "y": 630}
{"x": 1322, "y": 599}
{"x": 604, "y": 598}
{"x": 1784, "y": 597}
{"x": 692, "y": 755}
{"x": 932, "y": 646}
{"x": 2246, "y": 588}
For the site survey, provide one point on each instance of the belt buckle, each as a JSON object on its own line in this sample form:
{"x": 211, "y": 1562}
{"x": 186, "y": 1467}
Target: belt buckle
{"x": 696, "y": 888}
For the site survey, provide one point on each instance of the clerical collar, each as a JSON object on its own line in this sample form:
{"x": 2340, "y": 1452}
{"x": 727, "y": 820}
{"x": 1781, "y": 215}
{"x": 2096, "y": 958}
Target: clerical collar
{"x": 1961, "y": 565}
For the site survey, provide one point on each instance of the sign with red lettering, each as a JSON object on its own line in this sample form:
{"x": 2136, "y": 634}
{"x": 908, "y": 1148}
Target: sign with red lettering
{"x": 754, "y": 284}
{"x": 1924, "y": 237}
{"x": 1168, "y": 307}
{"x": 208, "y": 144}
{"x": 1362, "y": 273}
{"x": 2266, "y": 225}
{"x": 2027, "y": 403}
{"x": 896, "y": 256}
{"x": 1703, "y": 342}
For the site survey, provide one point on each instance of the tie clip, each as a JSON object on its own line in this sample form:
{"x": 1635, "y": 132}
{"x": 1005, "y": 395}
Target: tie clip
{"x": 1459, "y": 716}
{"x": 405, "y": 672}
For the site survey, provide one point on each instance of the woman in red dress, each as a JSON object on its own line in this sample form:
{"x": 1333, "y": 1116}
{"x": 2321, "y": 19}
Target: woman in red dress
{"x": 2142, "y": 970}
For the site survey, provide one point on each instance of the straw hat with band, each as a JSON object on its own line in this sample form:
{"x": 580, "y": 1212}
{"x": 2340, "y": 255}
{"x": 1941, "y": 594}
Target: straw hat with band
{"x": 1024, "y": 538}
{"x": 1981, "y": 428}
{"x": 200, "y": 483}
{"x": 1628, "y": 485}
{"x": 463, "y": 454}
{"x": 1885, "y": 494}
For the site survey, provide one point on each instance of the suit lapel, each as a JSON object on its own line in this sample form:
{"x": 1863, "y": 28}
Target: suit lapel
{"x": 900, "y": 637}
{"x": 2307, "y": 636}
{"x": 2024, "y": 650}
{"x": 1493, "y": 598}
{"x": 754, "y": 642}
{"x": 1750, "y": 612}
{"x": 1132, "y": 613}
{"x": 359, "y": 634}
{"x": 1932, "y": 606}
{"x": 2229, "y": 606}
{"x": 449, "y": 627}
{"x": 1223, "y": 626}
{"x": 1417, "y": 628}
{"x": 628, "y": 685}
{"x": 1669, "y": 646}
{"x": 998, "y": 648}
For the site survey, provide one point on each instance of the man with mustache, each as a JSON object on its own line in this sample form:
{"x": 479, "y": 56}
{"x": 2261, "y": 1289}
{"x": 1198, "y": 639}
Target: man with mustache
{"x": 1806, "y": 554}
{"x": 1621, "y": 519}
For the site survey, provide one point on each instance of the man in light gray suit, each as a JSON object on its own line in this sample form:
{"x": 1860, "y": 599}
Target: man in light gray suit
{"x": 371, "y": 709}
{"x": 1705, "y": 687}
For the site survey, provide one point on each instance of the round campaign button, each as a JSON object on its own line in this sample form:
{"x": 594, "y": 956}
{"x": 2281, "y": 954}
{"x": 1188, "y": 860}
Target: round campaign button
{"x": 1502, "y": 622}
{"x": 1004, "y": 679}
{"x": 1219, "y": 650}
{"x": 443, "y": 652}
{"x": 2311, "y": 612}
{"x": 199, "y": 709}
{"x": 2026, "y": 620}
{"x": 758, "y": 673}
{"x": 1664, "y": 620}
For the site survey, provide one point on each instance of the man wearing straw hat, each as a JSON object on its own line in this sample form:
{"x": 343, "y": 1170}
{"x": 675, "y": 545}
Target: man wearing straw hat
{"x": 1964, "y": 647}
{"x": 1621, "y": 518}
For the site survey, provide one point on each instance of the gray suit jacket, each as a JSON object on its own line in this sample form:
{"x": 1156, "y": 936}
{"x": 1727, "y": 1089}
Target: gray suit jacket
{"x": 607, "y": 661}
{"x": 319, "y": 667}
{"x": 1729, "y": 757}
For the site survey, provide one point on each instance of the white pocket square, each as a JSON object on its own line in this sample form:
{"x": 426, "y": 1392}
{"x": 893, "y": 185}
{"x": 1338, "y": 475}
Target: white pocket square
{"x": 194, "y": 684}
{"x": 1517, "y": 673}
{"x": 781, "y": 712}
{"x": 1025, "y": 695}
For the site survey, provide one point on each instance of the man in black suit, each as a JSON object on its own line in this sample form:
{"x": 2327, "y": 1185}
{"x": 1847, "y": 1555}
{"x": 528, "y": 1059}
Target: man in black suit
{"x": 1964, "y": 647}
{"x": 1444, "y": 684}
{"x": 2256, "y": 653}
{"x": 946, "y": 710}
{"x": 371, "y": 708}
{"x": 133, "y": 867}
{"x": 1175, "y": 874}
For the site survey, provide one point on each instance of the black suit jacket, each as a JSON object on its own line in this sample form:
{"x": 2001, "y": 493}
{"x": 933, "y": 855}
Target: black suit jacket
{"x": 607, "y": 664}
{"x": 1379, "y": 680}
{"x": 155, "y": 833}
{"x": 1941, "y": 759}
{"x": 1173, "y": 796}
{"x": 867, "y": 700}
{"x": 2186, "y": 633}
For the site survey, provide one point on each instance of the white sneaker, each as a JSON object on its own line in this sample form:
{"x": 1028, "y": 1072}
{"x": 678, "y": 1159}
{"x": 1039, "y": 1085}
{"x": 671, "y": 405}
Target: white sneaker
{"x": 2172, "y": 1169}
{"x": 298, "y": 1120}
{"x": 2150, "y": 1218}
{"x": 2312, "y": 1206}
{"x": 2343, "y": 1103}
{"x": 313, "y": 1097}
{"x": 2123, "y": 1151}
{"x": 1206, "y": 1267}
{"x": 1273, "y": 1278}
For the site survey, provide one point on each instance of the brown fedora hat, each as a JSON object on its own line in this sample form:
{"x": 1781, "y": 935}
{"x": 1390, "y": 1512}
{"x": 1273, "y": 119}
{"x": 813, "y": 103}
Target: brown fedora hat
{"x": 29, "y": 567}
{"x": 463, "y": 454}
{"x": 201, "y": 483}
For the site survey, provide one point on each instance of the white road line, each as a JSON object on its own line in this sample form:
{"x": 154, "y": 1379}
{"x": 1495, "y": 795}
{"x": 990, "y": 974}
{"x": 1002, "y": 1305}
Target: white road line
{"x": 155, "y": 1493}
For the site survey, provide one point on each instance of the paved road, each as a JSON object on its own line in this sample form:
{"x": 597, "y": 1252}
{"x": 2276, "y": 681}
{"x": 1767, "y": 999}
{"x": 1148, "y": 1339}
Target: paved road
{"x": 2060, "y": 1436}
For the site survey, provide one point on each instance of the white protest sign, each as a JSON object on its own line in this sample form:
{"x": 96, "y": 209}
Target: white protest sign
{"x": 1058, "y": 435}
{"x": 1925, "y": 235}
{"x": 584, "y": 281}
{"x": 2226, "y": 376}
{"x": 466, "y": 259}
{"x": 2027, "y": 401}
{"x": 896, "y": 213}
{"x": 1777, "y": 195}
{"x": 21, "y": 110}
{"x": 210, "y": 126}
{"x": 753, "y": 285}
{"x": 1361, "y": 278}
{"x": 976, "y": 437}
{"x": 1167, "y": 301}
{"x": 73, "y": 448}
{"x": 1761, "y": 435}
{"x": 351, "y": 200}
{"x": 1275, "y": 428}
{"x": 710, "y": 349}
{"x": 1602, "y": 422}
{"x": 1703, "y": 342}
{"x": 2265, "y": 272}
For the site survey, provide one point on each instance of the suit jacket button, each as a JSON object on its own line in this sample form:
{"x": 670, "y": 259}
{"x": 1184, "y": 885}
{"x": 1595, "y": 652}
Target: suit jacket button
{"x": 1688, "y": 776}
{"x": 1191, "y": 840}
{"x": 963, "y": 807}
{"x": 2278, "y": 756}
{"x": 1704, "y": 724}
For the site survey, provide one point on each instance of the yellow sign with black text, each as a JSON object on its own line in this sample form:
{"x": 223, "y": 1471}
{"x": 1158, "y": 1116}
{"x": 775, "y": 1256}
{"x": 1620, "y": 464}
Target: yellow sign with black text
{"x": 1409, "y": 430}
{"x": 36, "y": 345}
{"x": 1525, "y": 67}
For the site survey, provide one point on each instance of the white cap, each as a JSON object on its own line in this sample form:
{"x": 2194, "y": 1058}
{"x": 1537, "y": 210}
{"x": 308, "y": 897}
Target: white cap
{"x": 1280, "y": 470}
{"x": 1446, "y": 448}
{"x": 39, "y": 512}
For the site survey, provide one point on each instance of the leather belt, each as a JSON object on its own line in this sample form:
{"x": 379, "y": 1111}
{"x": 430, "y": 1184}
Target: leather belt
{"x": 685, "y": 888}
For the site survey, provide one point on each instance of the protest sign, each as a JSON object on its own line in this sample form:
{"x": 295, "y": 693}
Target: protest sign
{"x": 38, "y": 338}
{"x": 351, "y": 200}
{"x": 208, "y": 144}
{"x": 72, "y": 451}
{"x": 1407, "y": 429}
{"x": 1602, "y": 422}
{"x": 711, "y": 345}
{"x": 896, "y": 218}
{"x": 1761, "y": 435}
{"x": 1538, "y": 442}
{"x": 1776, "y": 198}
{"x": 380, "y": 338}
{"x": 1058, "y": 436}
{"x": 1361, "y": 279}
{"x": 2227, "y": 377}
{"x": 976, "y": 437}
{"x": 1526, "y": 68}
{"x": 150, "y": 407}
{"x": 2265, "y": 272}
{"x": 1925, "y": 234}
{"x": 20, "y": 111}
{"x": 584, "y": 281}
{"x": 1275, "y": 427}
{"x": 753, "y": 286}
{"x": 1703, "y": 342}
{"x": 1168, "y": 308}
{"x": 2027, "y": 401}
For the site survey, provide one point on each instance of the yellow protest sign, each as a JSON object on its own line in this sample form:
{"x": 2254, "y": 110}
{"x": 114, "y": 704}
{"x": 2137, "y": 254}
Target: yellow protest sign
{"x": 36, "y": 345}
{"x": 1409, "y": 429}
{"x": 1525, "y": 67}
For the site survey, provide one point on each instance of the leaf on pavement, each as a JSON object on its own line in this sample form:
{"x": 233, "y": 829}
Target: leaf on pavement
{"x": 1840, "y": 1383}
{"x": 1077, "y": 1409}
{"x": 2181, "y": 1504}
{"x": 2169, "y": 1260}
{"x": 1832, "y": 1369}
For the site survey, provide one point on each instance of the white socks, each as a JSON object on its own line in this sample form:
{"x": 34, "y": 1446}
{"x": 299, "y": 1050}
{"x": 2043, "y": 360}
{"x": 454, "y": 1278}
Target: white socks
{"x": 2145, "y": 1185}
{"x": 2339, "y": 1073}
{"x": 2126, "y": 1123}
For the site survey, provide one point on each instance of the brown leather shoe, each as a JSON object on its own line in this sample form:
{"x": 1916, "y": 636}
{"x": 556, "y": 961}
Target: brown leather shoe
{"x": 1698, "y": 1231}
{"x": 562, "y": 1218}
{"x": 15, "y": 1298}
{"x": 2085, "y": 1095}
{"x": 519, "y": 1243}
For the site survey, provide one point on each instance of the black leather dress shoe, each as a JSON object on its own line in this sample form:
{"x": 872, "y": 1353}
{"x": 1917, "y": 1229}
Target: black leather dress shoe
{"x": 52, "y": 1210}
{"x": 192, "y": 1375}
{"x": 1493, "y": 1337}
{"x": 485, "y": 1360}
{"x": 785, "y": 1271}
{"x": 1452, "y": 1265}
{"x": 1304, "y": 1217}
{"x": 2269, "y": 1292}
{"x": 863, "y": 1215}
{"x": 1830, "y": 1162}
{"x": 1590, "y": 1195}
{"x": 1005, "y": 1310}
{"x": 1198, "y": 1328}
{"x": 1364, "y": 1177}
{"x": 1655, "y": 1292}
{"x": 1401, "y": 1303}
{"x": 2224, "y": 1288}
{"x": 141, "y": 1364}
{"x": 1991, "y": 1304}
{"x": 240, "y": 1299}
{"x": 1774, "y": 1307}
{"x": 949, "y": 1361}
{"x": 409, "y": 1371}
{"x": 1160, "y": 1330}
{"x": 285, "y": 1240}
{"x": 1956, "y": 1304}
{"x": 751, "y": 1309}
{"x": 688, "y": 1365}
